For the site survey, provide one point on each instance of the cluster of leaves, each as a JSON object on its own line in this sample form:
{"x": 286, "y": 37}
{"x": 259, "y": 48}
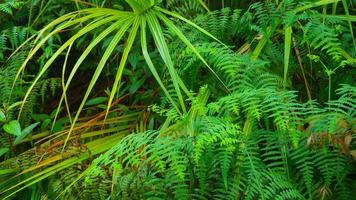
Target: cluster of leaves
{"x": 212, "y": 154}
{"x": 243, "y": 106}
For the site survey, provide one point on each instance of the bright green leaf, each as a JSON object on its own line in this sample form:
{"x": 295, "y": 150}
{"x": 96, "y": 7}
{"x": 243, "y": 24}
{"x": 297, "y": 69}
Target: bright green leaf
{"x": 2, "y": 116}
{"x": 13, "y": 128}
{"x": 287, "y": 47}
{"x": 3, "y": 151}
{"x": 25, "y": 132}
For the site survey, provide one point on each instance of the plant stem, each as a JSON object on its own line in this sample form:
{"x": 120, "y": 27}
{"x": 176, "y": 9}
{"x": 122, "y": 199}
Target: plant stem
{"x": 329, "y": 95}
{"x": 302, "y": 69}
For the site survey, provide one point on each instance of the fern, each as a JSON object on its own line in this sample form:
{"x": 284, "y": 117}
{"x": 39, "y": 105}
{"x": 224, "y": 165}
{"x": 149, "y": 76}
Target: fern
{"x": 266, "y": 14}
{"x": 49, "y": 85}
{"x": 323, "y": 38}
{"x": 17, "y": 35}
{"x": 8, "y": 73}
{"x": 185, "y": 8}
{"x": 222, "y": 23}
{"x": 254, "y": 139}
{"x": 9, "y": 5}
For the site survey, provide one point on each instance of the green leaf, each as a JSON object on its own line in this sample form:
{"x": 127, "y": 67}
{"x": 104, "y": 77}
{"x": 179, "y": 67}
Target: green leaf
{"x": 82, "y": 32}
{"x": 346, "y": 8}
{"x": 45, "y": 124}
{"x": 287, "y": 47}
{"x": 14, "y": 105}
{"x": 29, "y": 129}
{"x": 181, "y": 36}
{"x": 133, "y": 59}
{"x": 123, "y": 60}
{"x": 116, "y": 39}
{"x": 314, "y": 4}
{"x": 2, "y": 117}
{"x": 7, "y": 171}
{"x": 58, "y": 125}
{"x": 95, "y": 13}
{"x": 175, "y": 15}
{"x": 96, "y": 101}
{"x": 40, "y": 117}
{"x": 25, "y": 133}
{"x": 136, "y": 85}
{"x": 150, "y": 63}
{"x": 202, "y": 3}
{"x": 13, "y": 128}
{"x": 95, "y": 147}
{"x": 96, "y": 41}
{"x": 3, "y": 151}
{"x": 163, "y": 50}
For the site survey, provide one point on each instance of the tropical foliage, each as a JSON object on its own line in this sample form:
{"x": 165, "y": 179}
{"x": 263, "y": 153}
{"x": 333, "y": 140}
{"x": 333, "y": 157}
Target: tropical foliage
{"x": 176, "y": 99}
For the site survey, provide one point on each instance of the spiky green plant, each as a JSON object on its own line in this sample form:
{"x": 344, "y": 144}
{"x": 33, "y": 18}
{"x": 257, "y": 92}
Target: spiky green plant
{"x": 145, "y": 14}
{"x": 257, "y": 140}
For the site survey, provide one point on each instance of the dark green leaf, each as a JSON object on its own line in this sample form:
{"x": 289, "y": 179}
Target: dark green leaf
{"x": 3, "y": 151}
{"x": 96, "y": 101}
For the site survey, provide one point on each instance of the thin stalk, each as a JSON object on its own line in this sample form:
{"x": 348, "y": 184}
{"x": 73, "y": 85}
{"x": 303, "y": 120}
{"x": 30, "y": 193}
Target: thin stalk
{"x": 41, "y": 12}
{"x": 324, "y": 12}
{"x": 102, "y": 4}
{"x": 329, "y": 73}
{"x": 346, "y": 8}
{"x": 77, "y": 5}
{"x": 206, "y": 7}
{"x": 30, "y": 15}
{"x": 302, "y": 69}
{"x": 334, "y": 8}
{"x": 329, "y": 93}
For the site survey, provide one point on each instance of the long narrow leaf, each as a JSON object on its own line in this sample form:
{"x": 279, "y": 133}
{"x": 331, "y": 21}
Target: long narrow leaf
{"x": 151, "y": 66}
{"x": 188, "y": 22}
{"x": 95, "y": 147}
{"x": 346, "y": 8}
{"x": 287, "y": 47}
{"x": 164, "y": 52}
{"x": 181, "y": 36}
{"x": 86, "y": 52}
{"x": 122, "y": 64}
{"x": 314, "y": 4}
{"x": 98, "y": 71}
{"x": 60, "y": 50}
{"x": 41, "y": 43}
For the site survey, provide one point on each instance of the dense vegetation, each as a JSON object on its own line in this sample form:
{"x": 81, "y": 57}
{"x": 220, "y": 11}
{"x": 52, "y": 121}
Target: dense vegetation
{"x": 177, "y": 99}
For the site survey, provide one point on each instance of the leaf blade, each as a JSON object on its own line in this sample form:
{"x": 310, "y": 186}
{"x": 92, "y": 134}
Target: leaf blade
{"x": 13, "y": 128}
{"x": 287, "y": 50}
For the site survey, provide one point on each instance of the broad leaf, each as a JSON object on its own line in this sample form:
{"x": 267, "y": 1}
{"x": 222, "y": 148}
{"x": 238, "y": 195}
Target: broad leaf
{"x": 29, "y": 129}
{"x": 13, "y": 128}
{"x": 25, "y": 133}
{"x": 3, "y": 151}
{"x": 2, "y": 116}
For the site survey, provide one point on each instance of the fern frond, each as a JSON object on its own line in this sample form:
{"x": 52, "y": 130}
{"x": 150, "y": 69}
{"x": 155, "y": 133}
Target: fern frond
{"x": 9, "y": 6}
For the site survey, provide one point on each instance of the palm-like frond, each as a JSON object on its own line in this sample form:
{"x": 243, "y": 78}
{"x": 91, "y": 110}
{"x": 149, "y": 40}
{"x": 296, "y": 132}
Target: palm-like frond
{"x": 120, "y": 22}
